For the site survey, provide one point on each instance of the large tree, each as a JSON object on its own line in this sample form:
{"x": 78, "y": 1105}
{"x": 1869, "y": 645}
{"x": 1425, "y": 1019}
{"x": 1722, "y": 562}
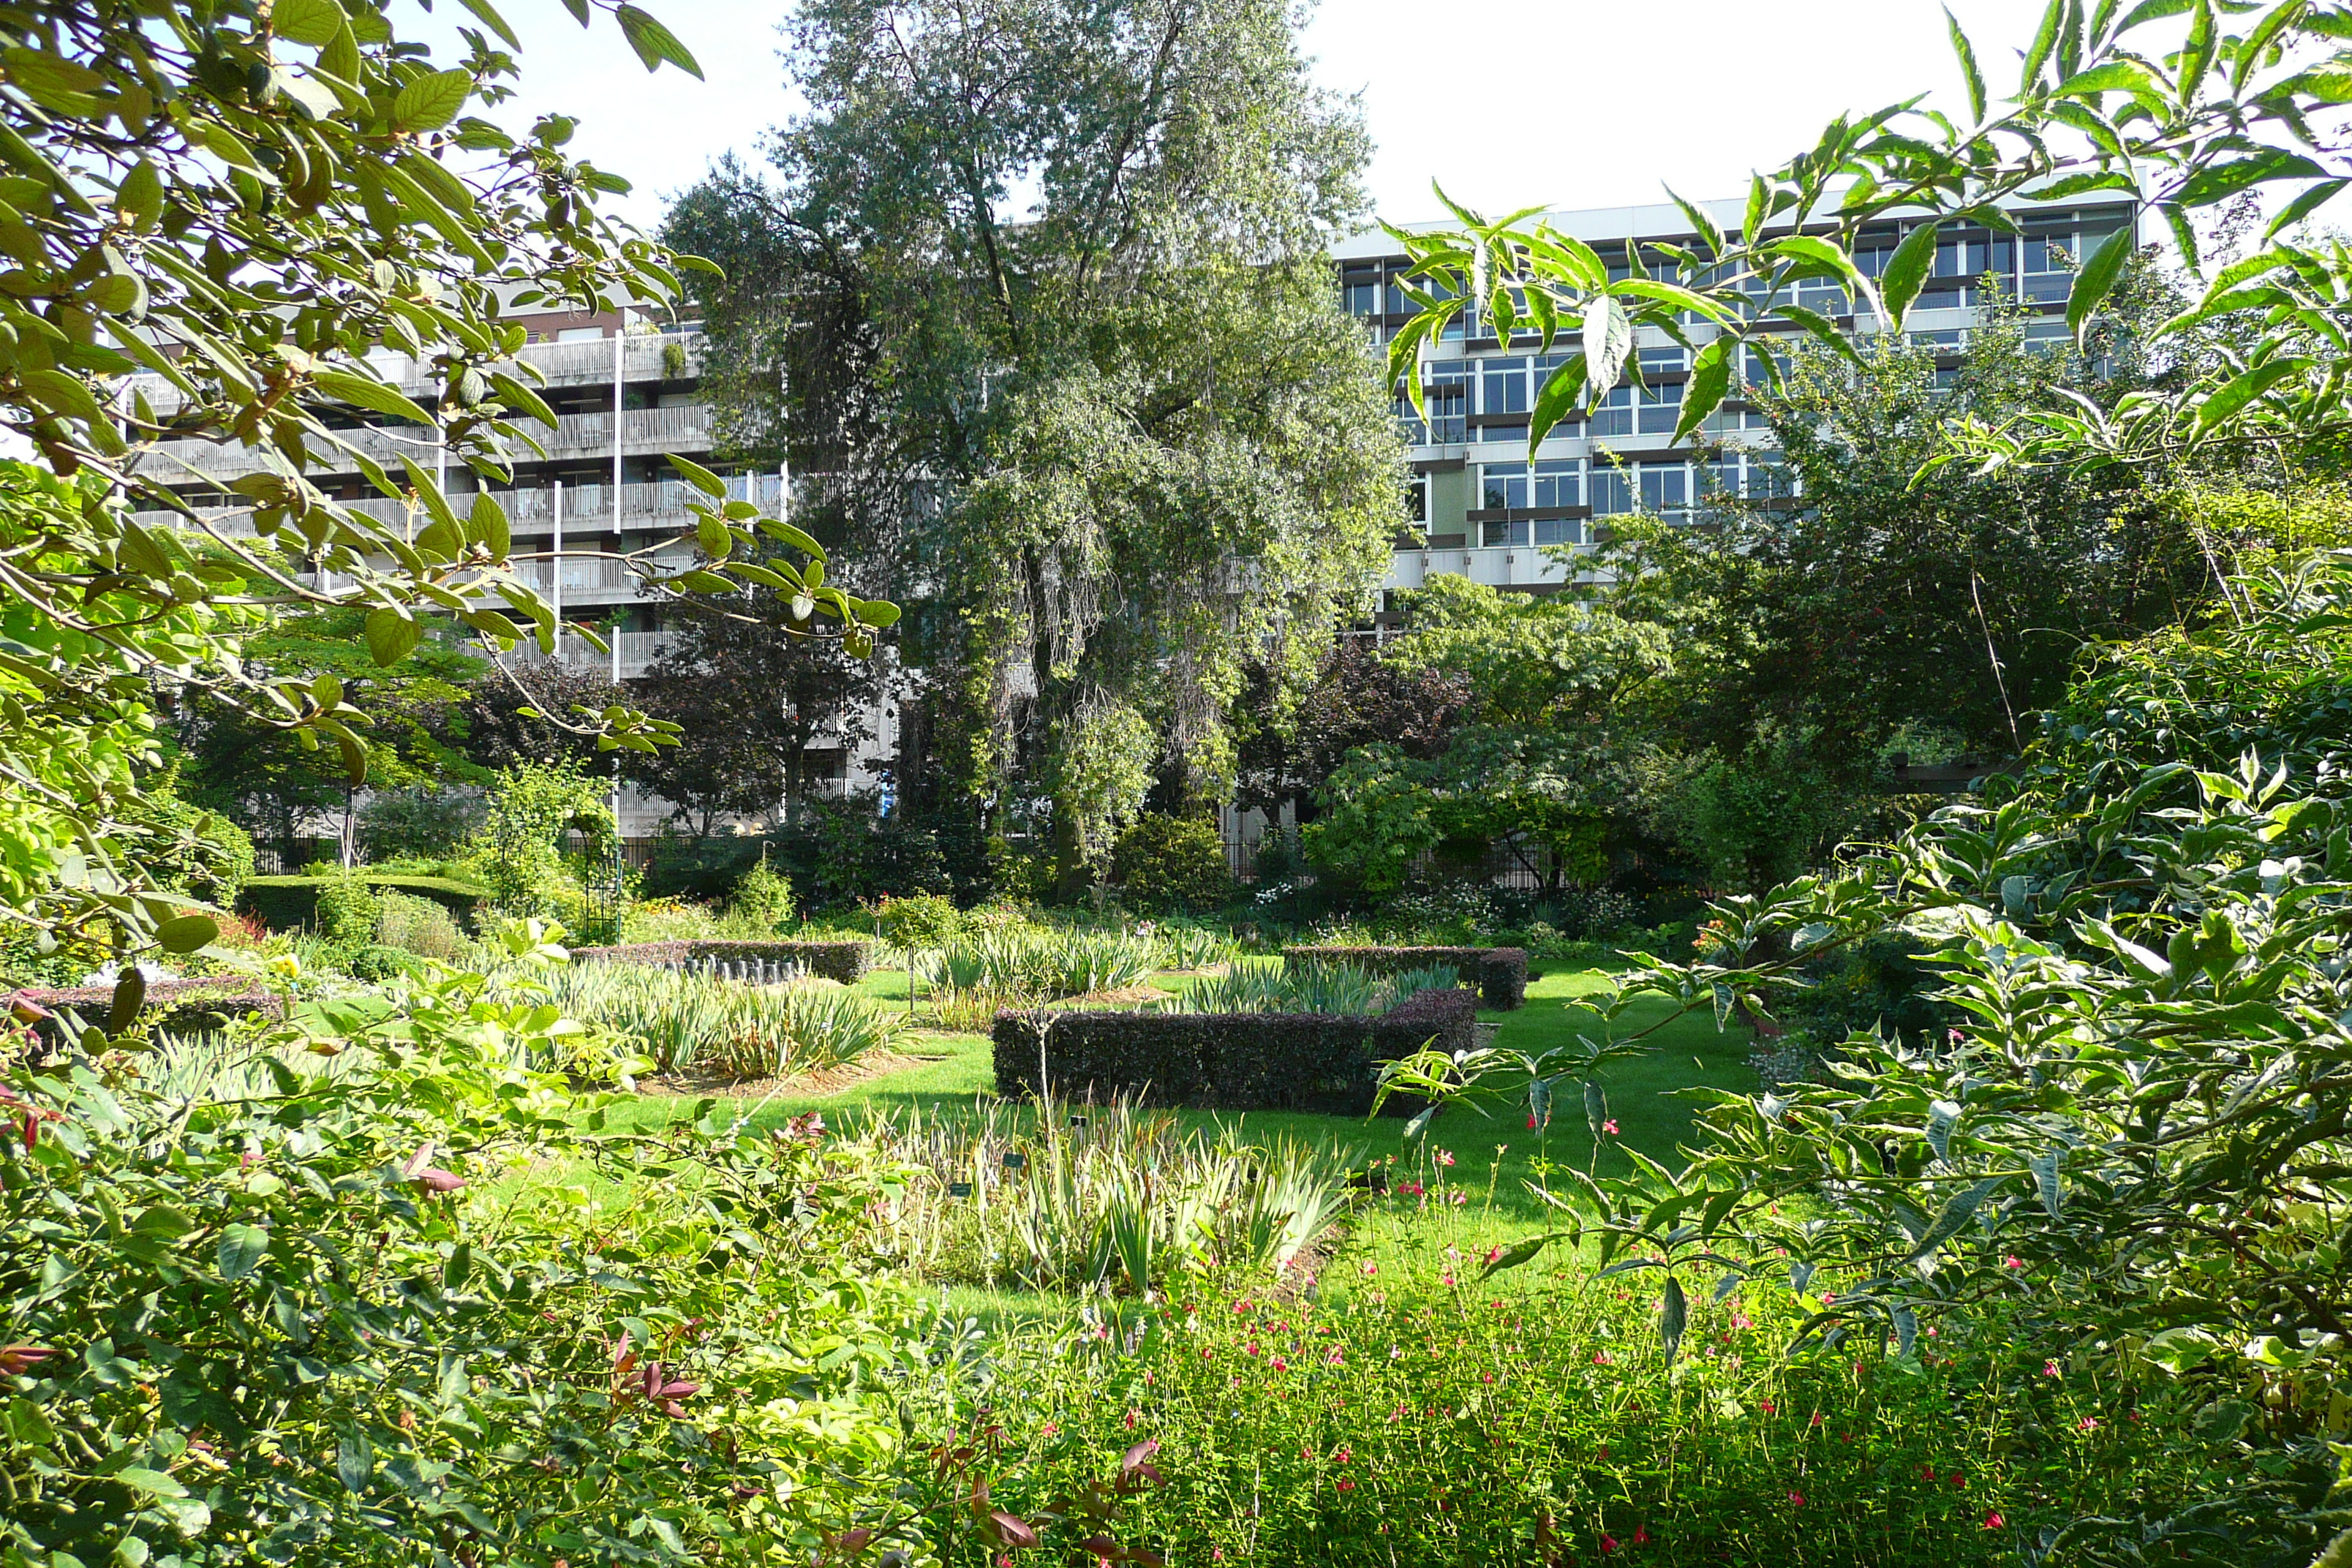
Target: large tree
{"x": 1048, "y": 282}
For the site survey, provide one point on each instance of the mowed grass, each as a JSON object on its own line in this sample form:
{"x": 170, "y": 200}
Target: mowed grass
{"x": 1494, "y": 1156}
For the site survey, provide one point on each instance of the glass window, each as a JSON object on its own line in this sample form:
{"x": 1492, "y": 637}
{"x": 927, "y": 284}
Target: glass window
{"x": 1363, "y": 296}
{"x": 1559, "y": 483}
{"x": 1502, "y": 486}
{"x": 1558, "y": 531}
{"x": 1394, "y": 303}
{"x": 1613, "y": 415}
{"x": 1503, "y": 432}
{"x": 1409, "y": 423}
{"x": 1612, "y": 492}
{"x": 1494, "y": 535}
{"x": 1718, "y": 479}
{"x": 1448, "y": 399}
{"x": 1669, "y": 358}
{"x": 1416, "y": 498}
{"x": 1503, "y": 386}
{"x": 1666, "y": 487}
{"x": 1660, "y": 407}
{"x": 579, "y": 335}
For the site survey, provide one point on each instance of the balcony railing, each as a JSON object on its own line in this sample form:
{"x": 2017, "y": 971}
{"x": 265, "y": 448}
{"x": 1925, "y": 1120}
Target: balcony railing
{"x": 645, "y": 433}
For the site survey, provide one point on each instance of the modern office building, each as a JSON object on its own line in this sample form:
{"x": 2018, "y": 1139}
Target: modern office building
{"x": 626, "y": 389}
{"x": 1483, "y": 509}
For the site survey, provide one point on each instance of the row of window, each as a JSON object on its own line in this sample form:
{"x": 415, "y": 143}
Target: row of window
{"x": 1666, "y": 488}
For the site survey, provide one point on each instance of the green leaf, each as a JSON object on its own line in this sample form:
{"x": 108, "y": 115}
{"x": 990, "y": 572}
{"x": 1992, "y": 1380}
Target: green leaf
{"x": 459, "y": 1268}
{"x": 1517, "y": 1254}
{"x": 1556, "y": 399}
{"x": 363, "y": 392}
{"x": 1710, "y": 380}
{"x": 521, "y": 398}
{"x": 141, "y": 195}
{"x": 1673, "y": 1317}
{"x": 2242, "y": 390}
{"x": 493, "y": 21}
{"x": 314, "y": 23}
{"x": 2220, "y": 182}
{"x": 55, "y": 392}
{"x": 777, "y": 527}
{"x": 1702, "y": 224}
{"x": 242, "y": 1248}
{"x": 154, "y": 1483}
{"x": 2304, "y": 205}
{"x": 487, "y": 526}
{"x": 1608, "y": 339}
{"x": 392, "y": 635}
{"x": 1954, "y": 1217}
{"x": 1907, "y": 273}
{"x": 2095, "y": 280}
{"x": 2197, "y": 53}
{"x": 1972, "y": 78}
{"x": 2039, "y": 54}
{"x": 654, "y": 42}
{"x": 697, "y": 476}
{"x": 130, "y": 996}
{"x": 185, "y": 934}
{"x": 431, "y": 101}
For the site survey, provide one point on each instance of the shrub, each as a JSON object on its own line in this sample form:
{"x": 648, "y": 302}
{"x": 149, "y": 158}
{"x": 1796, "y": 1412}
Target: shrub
{"x": 420, "y": 926}
{"x": 1411, "y": 1416}
{"x": 693, "y": 1021}
{"x": 347, "y": 908}
{"x": 290, "y": 903}
{"x": 419, "y": 824}
{"x": 1015, "y": 961}
{"x": 377, "y": 962}
{"x": 921, "y": 920}
{"x": 1230, "y": 1061}
{"x": 1184, "y": 946}
{"x": 763, "y": 900}
{"x": 1499, "y": 972}
{"x": 1166, "y": 862}
{"x": 845, "y": 961}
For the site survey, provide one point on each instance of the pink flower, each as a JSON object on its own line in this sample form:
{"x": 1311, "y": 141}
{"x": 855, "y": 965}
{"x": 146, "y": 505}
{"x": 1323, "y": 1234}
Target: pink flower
{"x": 1959, "y": 1480}
{"x": 1347, "y": 1486}
{"x": 1370, "y": 1269}
{"x": 1601, "y": 1358}
{"x": 1131, "y": 1420}
{"x": 2012, "y": 1261}
{"x": 1641, "y": 1535}
{"x": 2049, "y": 1368}
{"x": 1493, "y": 1255}
{"x": 2088, "y": 1423}
{"x": 1445, "y": 1279}
{"x": 1249, "y": 1347}
{"x": 1048, "y": 1430}
{"x": 1445, "y": 1158}
{"x": 1280, "y": 1364}
{"x": 1457, "y": 1199}
{"x": 1206, "y": 1352}
{"x": 1796, "y": 1499}
{"x": 1770, "y": 1408}
{"x": 1337, "y": 1357}
{"x": 1992, "y": 1522}
{"x": 1608, "y": 1543}
{"x": 1411, "y": 1189}
{"x": 1344, "y": 1456}
{"x": 1610, "y": 1127}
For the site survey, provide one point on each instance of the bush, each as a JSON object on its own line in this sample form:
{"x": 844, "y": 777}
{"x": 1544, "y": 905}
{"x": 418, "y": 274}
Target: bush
{"x": 379, "y": 962}
{"x": 1165, "y": 863}
{"x": 418, "y": 824}
{"x": 420, "y": 926}
{"x": 845, "y": 961}
{"x": 1499, "y": 972}
{"x": 922, "y": 921}
{"x": 290, "y": 903}
{"x": 763, "y": 900}
{"x": 347, "y": 908}
{"x": 1420, "y": 1419}
{"x": 1230, "y": 1061}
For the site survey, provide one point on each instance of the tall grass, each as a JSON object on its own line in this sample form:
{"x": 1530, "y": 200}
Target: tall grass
{"x": 1129, "y": 1200}
{"x": 1192, "y": 947}
{"x": 1010, "y": 965}
{"x": 686, "y": 1022}
{"x": 1340, "y": 989}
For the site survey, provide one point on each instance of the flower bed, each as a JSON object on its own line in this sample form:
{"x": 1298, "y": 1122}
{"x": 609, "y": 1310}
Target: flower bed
{"x": 171, "y": 1007}
{"x": 1500, "y": 974}
{"x": 847, "y": 962}
{"x": 1230, "y": 1061}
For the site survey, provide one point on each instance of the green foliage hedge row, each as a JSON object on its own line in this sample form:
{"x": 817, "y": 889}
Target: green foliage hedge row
{"x": 847, "y": 962}
{"x": 172, "y": 1006}
{"x": 1231, "y": 1061}
{"x": 1499, "y": 972}
{"x": 284, "y": 903}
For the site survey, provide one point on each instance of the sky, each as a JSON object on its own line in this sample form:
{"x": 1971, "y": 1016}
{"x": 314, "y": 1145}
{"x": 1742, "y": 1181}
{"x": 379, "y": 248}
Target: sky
{"x": 1510, "y": 103}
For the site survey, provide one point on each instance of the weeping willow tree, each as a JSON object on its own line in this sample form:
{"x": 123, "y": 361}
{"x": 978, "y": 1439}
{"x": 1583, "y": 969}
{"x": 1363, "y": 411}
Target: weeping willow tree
{"x": 1040, "y": 287}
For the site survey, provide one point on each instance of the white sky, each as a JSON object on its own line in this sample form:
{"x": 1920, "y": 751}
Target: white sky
{"x": 1568, "y": 103}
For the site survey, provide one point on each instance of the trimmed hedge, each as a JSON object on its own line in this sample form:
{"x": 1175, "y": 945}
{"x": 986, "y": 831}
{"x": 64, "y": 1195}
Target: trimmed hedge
{"x": 1500, "y": 974}
{"x": 172, "y": 1006}
{"x": 847, "y": 962}
{"x": 1231, "y": 1061}
{"x": 284, "y": 903}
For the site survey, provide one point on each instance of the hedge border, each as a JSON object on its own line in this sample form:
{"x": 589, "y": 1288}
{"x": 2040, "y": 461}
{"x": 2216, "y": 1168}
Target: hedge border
{"x": 1231, "y": 1061}
{"x": 1499, "y": 972}
{"x": 283, "y": 903}
{"x": 171, "y": 1008}
{"x": 847, "y": 962}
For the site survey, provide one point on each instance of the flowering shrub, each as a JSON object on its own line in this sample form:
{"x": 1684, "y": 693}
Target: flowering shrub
{"x": 1418, "y": 1422}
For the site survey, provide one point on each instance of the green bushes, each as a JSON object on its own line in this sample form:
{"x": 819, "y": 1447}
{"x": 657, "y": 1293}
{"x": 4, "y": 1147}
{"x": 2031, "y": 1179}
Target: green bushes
{"x": 922, "y": 921}
{"x": 290, "y": 903}
{"x": 763, "y": 900}
{"x": 1120, "y": 1196}
{"x": 1165, "y": 863}
{"x": 845, "y": 961}
{"x": 1433, "y": 1421}
{"x": 1499, "y": 972}
{"x": 1340, "y": 989}
{"x": 347, "y": 908}
{"x": 419, "y": 926}
{"x": 1235, "y": 1061}
{"x": 1184, "y": 946}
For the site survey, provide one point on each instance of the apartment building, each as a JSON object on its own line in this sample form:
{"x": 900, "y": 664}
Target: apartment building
{"x": 1481, "y": 509}
{"x": 625, "y": 387}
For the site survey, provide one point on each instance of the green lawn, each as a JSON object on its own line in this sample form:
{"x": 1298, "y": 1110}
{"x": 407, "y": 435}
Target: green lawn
{"x": 1493, "y": 1155}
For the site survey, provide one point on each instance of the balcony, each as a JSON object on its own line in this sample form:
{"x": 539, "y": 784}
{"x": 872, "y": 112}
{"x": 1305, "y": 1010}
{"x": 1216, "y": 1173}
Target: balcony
{"x": 645, "y": 433}
{"x": 636, "y": 651}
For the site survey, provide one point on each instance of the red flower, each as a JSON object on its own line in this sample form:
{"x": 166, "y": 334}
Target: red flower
{"x": 1608, "y": 1543}
{"x": 1796, "y": 1499}
{"x": 1641, "y": 1535}
{"x": 1992, "y": 1522}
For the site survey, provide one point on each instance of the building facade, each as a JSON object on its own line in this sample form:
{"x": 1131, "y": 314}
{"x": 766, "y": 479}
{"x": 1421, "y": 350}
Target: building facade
{"x": 1483, "y": 509}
